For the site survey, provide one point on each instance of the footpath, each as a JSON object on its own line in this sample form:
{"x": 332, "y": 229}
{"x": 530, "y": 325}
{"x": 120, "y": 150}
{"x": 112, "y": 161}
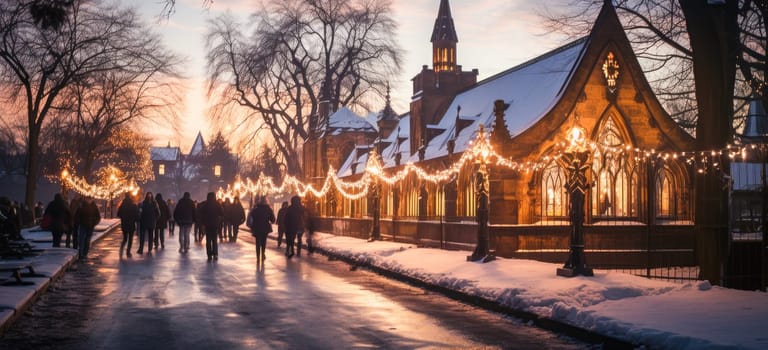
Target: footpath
{"x": 616, "y": 309}
{"x": 47, "y": 265}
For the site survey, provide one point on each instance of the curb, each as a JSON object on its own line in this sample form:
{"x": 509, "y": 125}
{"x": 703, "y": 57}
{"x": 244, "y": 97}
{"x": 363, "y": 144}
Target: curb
{"x": 8, "y": 321}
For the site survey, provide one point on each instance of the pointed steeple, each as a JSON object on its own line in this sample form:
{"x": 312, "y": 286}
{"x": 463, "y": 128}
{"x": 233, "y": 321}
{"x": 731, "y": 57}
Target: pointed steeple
{"x": 198, "y": 146}
{"x": 444, "y": 40}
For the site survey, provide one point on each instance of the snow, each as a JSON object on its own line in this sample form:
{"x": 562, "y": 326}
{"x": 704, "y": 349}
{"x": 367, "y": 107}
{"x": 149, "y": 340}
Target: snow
{"x": 655, "y": 313}
{"x": 164, "y": 153}
{"x": 747, "y": 176}
{"x": 531, "y": 90}
{"x": 346, "y": 120}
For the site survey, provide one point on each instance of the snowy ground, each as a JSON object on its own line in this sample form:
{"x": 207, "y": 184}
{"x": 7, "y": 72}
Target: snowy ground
{"x": 661, "y": 314}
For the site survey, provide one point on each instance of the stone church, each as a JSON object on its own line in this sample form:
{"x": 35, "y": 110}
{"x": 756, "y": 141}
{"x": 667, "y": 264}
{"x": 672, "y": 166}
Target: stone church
{"x": 634, "y": 204}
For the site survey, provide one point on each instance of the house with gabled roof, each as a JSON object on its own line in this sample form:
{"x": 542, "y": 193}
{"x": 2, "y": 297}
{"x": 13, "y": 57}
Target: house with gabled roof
{"x": 594, "y": 83}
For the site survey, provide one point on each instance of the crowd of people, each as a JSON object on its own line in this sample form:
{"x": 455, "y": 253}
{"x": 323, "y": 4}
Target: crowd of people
{"x": 72, "y": 223}
{"x": 214, "y": 220}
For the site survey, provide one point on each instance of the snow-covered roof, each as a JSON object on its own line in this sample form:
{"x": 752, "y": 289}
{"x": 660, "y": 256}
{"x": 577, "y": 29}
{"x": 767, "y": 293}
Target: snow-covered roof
{"x": 531, "y": 90}
{"x": 397, "y": 142}
{"x": 168, "y": 154}
{"x": 346, "y": 120}
{"x": 198, "y": 146}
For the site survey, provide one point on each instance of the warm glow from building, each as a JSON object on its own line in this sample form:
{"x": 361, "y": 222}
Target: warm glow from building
{"x": 161, "y": 169}
{"x": 217, "y": 170}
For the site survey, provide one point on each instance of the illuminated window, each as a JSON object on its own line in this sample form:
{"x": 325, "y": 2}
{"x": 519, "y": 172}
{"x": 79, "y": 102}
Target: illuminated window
{"x": 470, "y": 201}
{"x": 440, "y": 201}
{"x": 615, "y": 180}
{"x": 412, "y": 203}
{"x": 217, "y": 170}
{"x": 161, "y": 169}
{"x": 554, "y": 196}
{"x": 665, "y": 201}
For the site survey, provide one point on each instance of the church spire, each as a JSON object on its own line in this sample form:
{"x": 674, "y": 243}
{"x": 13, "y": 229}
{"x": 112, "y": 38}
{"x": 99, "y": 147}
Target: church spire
{"x": 444, "y": 40}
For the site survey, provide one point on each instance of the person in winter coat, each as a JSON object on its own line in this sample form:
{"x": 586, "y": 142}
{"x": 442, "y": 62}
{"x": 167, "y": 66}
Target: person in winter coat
{"x": 281, "y": 223}
{"x": 294, "y": 226}
{"x": 226, "y": 226}
{"x": 260, "y": 220}
{"x": 236, "y": 218}
{"x": 171, "y": 221}
{"x": 147, "y": 220}
{"x": 88, "y": 217}
{"x": 71, "y": 233}
{"x": 61, "y": 218}
{"x": 128, "y": 212}
{"x": 212, "y": 217}
{"x": 162, "y": 221}
{"x": 184, "y": 215}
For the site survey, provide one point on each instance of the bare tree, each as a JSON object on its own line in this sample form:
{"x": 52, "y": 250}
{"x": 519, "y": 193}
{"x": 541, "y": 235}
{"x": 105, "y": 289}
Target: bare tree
{"x": 39, "y": 63}
{"x": 657, "y": 31}
{"x": 300, "y": 52}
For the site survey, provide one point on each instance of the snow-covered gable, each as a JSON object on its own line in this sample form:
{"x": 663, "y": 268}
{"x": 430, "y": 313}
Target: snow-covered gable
{"x": 198, "y": 146}
{"x": 167, "y": 154}
{"x": 397, "y": 142}
{"x": 531, "y": 90}
{"x": 344, "y": 120}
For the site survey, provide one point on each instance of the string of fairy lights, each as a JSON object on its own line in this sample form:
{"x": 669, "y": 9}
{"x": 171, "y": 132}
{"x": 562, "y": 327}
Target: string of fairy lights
{"x": 478, "y": 151}
{"x": 111, "y": 186}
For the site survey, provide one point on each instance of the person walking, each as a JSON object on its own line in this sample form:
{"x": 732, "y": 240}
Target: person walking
{"x": 71, "y": 233}
{"x": 184, "y": 215}
{"x": 162, "y": 221}
{"x": 171, "y": 220}
{"x": 260, "y": 220}
{"x": 128, "y": 212}
{"x": 88, "y": 216}
{"x": 147, "y": 220}
{"x": 199, "y": 227}
{"x": 226, "y": 226}
{"x": 237, "y": 218}
{"x": 61, "y": 219}
{"x": 294, "y": 226}
{"x": 212, "y": 217}
{"x": 281, "y": 223}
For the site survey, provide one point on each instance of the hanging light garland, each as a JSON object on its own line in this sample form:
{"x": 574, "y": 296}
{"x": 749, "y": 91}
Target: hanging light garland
{"x": 479, "y": 150}
{"x": 112, "y": 185}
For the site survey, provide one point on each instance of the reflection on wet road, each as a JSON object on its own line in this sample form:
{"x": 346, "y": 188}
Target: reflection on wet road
{"x": 172, "y": 301}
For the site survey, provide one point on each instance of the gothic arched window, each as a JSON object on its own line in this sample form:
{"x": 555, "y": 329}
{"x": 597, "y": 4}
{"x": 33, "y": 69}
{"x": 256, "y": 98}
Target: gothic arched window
{"x": 665, "y": 193}
{"x": 613, "y": 194}
{"x": 554, "y": 198}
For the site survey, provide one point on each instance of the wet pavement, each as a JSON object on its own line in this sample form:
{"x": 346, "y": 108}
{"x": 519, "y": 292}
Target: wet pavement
{"x": 172, "y": 301}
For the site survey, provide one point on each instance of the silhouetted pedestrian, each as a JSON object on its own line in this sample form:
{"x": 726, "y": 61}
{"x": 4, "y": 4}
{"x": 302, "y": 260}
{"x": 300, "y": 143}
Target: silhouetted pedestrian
{"x": 184, "y": 214}
{"x": 60, "y": 218}
{"x": 212, "y": 217}
{"x": 236, "y": 218}
{"x": 88, "y": 216}
{"x": 260, "y": 220}
{"x": 162, "y": 221}
{"x": 171, "y": 220}
{"x": 294, "y": 226}
{"x": 147, "y": 220}
{"x": 281, "y": 223}
{"x": 128, "y": 212}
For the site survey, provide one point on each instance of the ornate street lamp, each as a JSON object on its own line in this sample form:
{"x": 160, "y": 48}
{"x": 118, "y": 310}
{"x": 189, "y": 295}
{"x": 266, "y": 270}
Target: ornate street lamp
{"x": 482, "y": 152}
{"x": 374, "y": 168}
{"x": 576, "y": 185}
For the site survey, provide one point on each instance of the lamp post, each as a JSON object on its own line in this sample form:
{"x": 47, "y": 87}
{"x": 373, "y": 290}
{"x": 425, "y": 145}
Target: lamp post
{"x": 482, "y": 250}
{"x": 577, "y": 186}
{"x": 375, "y": 170}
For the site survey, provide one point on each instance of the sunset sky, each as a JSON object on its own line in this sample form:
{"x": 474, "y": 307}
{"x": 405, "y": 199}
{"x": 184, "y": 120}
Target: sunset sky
{"x": 493, "y": 35}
